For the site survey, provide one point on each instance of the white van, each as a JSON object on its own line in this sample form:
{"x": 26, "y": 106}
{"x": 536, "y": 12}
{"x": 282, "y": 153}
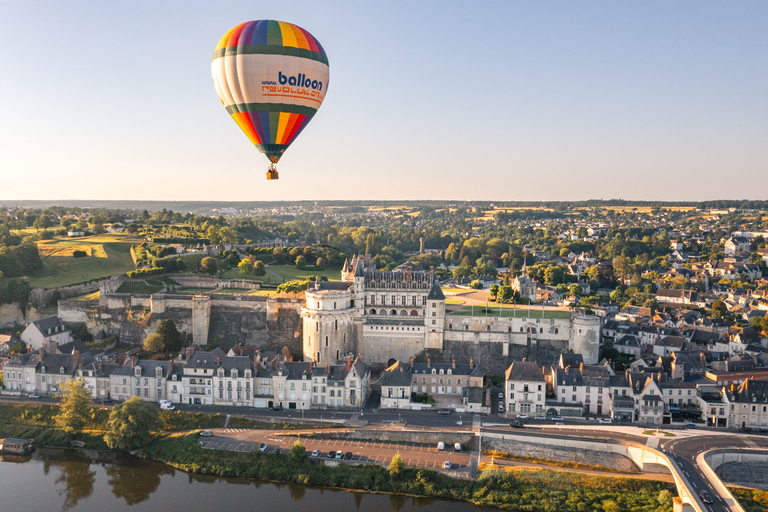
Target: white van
{"x": 457, "y": 447}
{"x": 167, "y": 407}
{"x": 441, "y": 446}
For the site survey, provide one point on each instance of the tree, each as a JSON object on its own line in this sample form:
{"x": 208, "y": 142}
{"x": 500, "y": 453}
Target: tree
{"x": 505, "y": 294}
{"x": 493, "y": 290}
{"x": 719, "y": 309}
{"x": 213, "y": 235}
{"x": 575, "y": 289}
{"x": 554, "y": 275}
{"x": 131, "y": 424}
{"x": 476, "y": 284}
{"x": 209, "y": 265}
{"x": 75, "y": 410}
{"x": 397, "y": 465}
{"x": 171, "y": 336}
{"x": 301, "y": 262}
{"x": 320, "y": 263}
{"x": 298, "y": 453}
{"x": 228, "y": 235}
{"x": 154, "y": 343}
{"x": 258, "y": 268}
{"x": 245, "y": 267}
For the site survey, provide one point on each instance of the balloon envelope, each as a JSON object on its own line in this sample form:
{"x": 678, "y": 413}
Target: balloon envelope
{"x": 272, "y": 77}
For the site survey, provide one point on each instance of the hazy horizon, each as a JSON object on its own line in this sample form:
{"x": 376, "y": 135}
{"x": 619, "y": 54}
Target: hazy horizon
{"x": 550, "y": 102}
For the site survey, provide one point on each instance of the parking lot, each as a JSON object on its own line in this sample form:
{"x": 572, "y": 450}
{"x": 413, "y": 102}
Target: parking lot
{"x": 363, "y": 452}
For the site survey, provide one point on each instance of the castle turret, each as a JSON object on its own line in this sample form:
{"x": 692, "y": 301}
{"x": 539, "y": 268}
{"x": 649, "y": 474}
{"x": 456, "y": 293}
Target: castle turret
{"x": 328, "y": 316}
{"x": 585, "y": 337}
{"x": 434, "y": 318}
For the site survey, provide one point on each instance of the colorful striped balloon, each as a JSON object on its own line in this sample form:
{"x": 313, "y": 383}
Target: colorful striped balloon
{"x": 272, "y": 76}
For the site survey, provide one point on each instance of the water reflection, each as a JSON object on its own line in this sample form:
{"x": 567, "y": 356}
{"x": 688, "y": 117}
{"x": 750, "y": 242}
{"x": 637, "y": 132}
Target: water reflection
{"x": 94, "y": 482}
{"x": 133, "y": 482}
{"x": 78, "y": 479}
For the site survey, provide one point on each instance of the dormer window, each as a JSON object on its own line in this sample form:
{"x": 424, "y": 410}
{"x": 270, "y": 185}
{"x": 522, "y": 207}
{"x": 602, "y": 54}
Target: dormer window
{"x": 158, "y": 372}
{"x": 137, "y": 371}
{"x": 441, "y": 371}
{"x": 221, "y": 372}
{"x": 234, "y": 374}
{"x": 450, "y": 372}
{"x": 433, "y": 371}
{"x": 61, "y": 370}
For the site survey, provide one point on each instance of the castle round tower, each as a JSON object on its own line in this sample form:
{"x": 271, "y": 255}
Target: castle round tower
{"x": 328, "y": 316}
{"x": 585, "y": 337}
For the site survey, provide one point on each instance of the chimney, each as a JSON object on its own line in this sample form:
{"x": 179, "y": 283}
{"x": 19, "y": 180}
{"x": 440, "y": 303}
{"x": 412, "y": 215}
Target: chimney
{"x": 170, "y": 366}
{"x": 453, "y": 362}
{"x": 410, "y": 360}
{"x": 349, "y": 363}
{"x": 78, "y": 359}
{"x": 429, "y": 362}
{"x": 525, "y": 359}
{"x": 471, "y": 362}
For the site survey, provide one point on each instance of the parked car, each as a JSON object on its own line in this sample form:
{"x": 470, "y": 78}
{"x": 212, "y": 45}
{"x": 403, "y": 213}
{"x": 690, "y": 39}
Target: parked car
{"x": 457, "y": 447}
{"x": 540, "y": 418}
{"x": 206, "y": 433}
{"x": 263, "y": 447}
{"x": 348, "y": 455}
{"x": 517, "y": 424}
{"x": 441, "y": 446}
{"x": 444, "y": 412}
{"x": 315, "y": 453}
{"x": 447, "y": 465}
{"x": 501, "y": 406}
{"x": 167, "y": 407}
{"x": 277, "y": 408}
{"x": 556, "y": 418}
{"x": 107, "y": 401}
{"x": 331, "y": 454}
{"x": 522, "y": 416}
{"x": 501, "y": 396}
{"x": 705, "y": 497}
{"x": 690, "y": 425}
{"x": 339, "y": 454}
{"x": 33, "y": 396}
{"x": 605, "y": 421}
{"x": 746, "y": 430}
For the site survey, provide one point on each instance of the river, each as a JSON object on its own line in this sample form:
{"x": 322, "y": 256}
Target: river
{"x": 53, "y": 480}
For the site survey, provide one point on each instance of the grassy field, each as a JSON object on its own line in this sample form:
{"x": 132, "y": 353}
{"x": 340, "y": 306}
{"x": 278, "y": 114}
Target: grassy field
{"x": 519, "y": 312}
{"x": 107, "y": 255}
{"x": 456, "y": 291}
{"x": 290, "y": 272}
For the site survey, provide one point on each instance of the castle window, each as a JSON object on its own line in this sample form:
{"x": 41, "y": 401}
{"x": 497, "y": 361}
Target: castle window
{"x": 393, "y": 312}
{"x": 556, "y": 330}
{"x": 450, "y": 326}
{"x": 402, "y": 300}
{"x": 394, "y": 300}
{"x": 403, "y": 312}
{"x": 487, "y": 327}
{"x": 414, "y": 312}
{"x": 424, "y": 301}
{"x": 334, "y": 305}
{"x": 345, "y": 337}
{"x": 373, "y": 311}
{"x": 509, "y": 329}
{"x": 337, "y": 355}
{"x": 521, "y": 328}
{"x": 466, "y": 327}
{"x": 541, "y": 330}
{"x": 336, "y": 324}
{"x": 326, "y": 341}
{"x": 413, "y": 300}
{"x": 317, "y": 326}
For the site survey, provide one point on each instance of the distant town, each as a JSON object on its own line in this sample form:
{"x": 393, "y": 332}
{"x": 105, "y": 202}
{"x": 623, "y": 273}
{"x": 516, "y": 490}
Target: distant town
{"x": 551, "y": 314}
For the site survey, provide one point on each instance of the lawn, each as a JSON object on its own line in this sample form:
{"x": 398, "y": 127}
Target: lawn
{"x": 520, "y": 312}
{"x": 291, "y": 273}
{"x": 456, "y": 291}
{"x": 107, "y": 255}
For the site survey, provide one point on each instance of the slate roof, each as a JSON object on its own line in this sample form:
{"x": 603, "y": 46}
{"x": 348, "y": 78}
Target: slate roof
{"x": 52, "y": 323}
{"x": 396, "y": 375}
{"x": 436, "y": 293}
{"x": 521, "y": 370}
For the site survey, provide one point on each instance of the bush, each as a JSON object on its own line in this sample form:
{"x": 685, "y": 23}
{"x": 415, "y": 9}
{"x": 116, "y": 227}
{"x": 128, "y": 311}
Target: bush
{"x": 145, "y": 272}
{"x": 79, "y": 254}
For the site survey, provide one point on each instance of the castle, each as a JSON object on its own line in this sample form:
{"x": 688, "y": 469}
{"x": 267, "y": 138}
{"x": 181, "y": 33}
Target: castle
{"x": 398, "y": 314}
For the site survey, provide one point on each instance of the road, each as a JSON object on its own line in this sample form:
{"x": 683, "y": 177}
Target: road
{"x": 682, "y": 449}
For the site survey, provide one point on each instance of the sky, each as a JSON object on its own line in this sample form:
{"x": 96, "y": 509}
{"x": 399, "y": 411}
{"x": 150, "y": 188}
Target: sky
{"x": 454, "y": 100}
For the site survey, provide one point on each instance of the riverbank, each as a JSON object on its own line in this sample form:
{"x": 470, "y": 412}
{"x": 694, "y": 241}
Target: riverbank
{"x": 529, "y": 490}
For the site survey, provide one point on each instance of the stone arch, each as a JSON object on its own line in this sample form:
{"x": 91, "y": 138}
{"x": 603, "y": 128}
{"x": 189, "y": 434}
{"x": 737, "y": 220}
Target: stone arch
{"x": 403, "y": 312}
{"x": 373, "y": 311}
{"x": 393, "y": 312}
{"x": 414, "y": 312}
{"x": 541, "y": 330}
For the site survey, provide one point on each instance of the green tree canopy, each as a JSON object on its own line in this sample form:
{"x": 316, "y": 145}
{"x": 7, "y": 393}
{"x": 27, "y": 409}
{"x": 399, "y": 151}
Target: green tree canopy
{"x": 209, "y": 265}
{"x": 171, "y": 336}
{"x": 298, "y": 452}
{"x": 131, "y": 424}
{"x": 154, "y": 343}
{"x": 75, "y": 409}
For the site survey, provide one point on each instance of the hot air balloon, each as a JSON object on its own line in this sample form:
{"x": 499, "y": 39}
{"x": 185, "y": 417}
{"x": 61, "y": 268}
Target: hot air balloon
{"x": 272, "y": 76}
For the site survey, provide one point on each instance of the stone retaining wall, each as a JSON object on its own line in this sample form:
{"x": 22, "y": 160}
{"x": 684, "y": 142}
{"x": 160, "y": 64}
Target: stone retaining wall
{"x": 591, "y": 457}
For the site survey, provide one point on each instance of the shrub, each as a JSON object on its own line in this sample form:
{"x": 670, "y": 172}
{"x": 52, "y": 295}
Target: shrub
{"x": 79, "y": 254}
{"x": 144, "y": 272}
